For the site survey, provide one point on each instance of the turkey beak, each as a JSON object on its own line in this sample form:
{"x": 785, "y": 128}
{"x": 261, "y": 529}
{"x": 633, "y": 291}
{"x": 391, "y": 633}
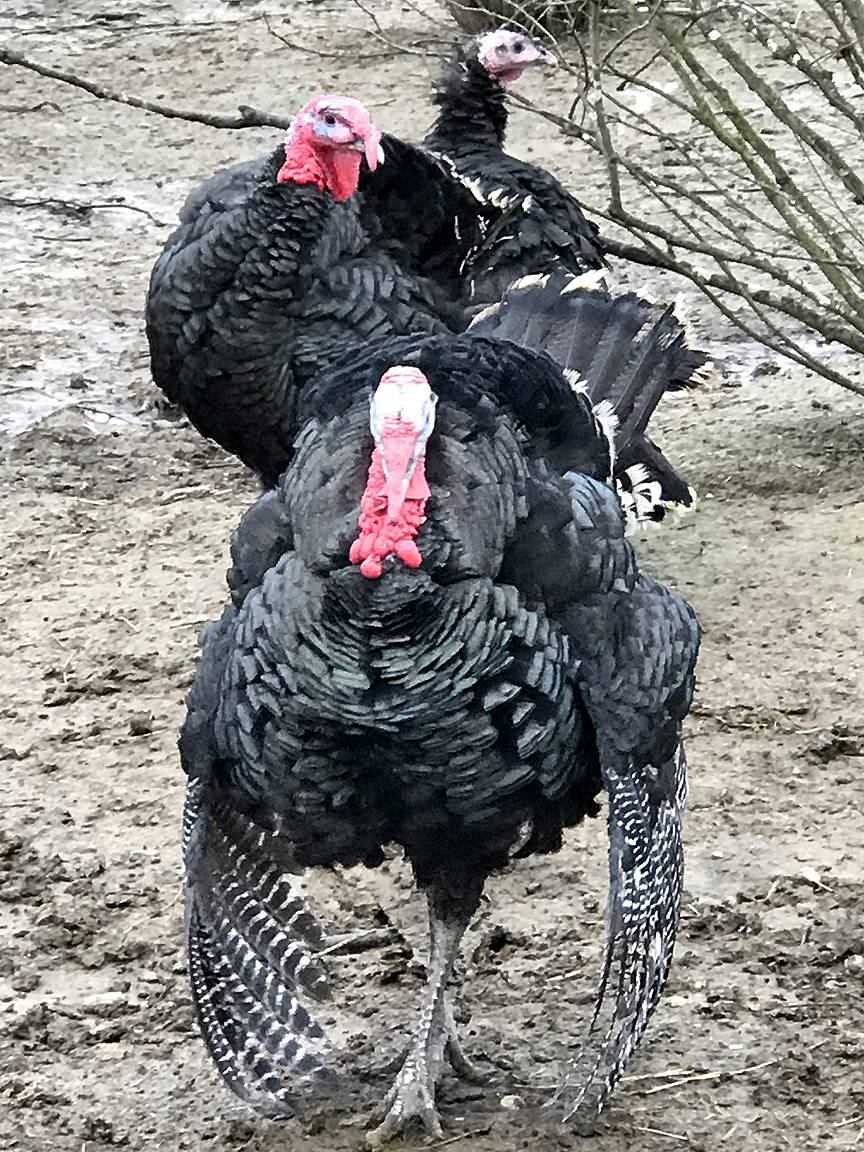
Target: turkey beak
{"x": 543, "y": 56}
{"x": 398, "y": 459}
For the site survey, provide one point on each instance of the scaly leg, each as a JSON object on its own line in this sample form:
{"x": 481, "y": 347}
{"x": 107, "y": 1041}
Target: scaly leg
{"x": 412, "y": 1096}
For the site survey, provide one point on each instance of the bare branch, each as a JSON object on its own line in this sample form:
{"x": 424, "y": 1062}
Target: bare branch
{"x": 78, "y": 208}
{"x": 610, "y": 156}
{"x": 322, "y": 53}
{"x": 20, "y": 109}
{"x": 761, "y": 159}
{"x": 791, "y": 54}
{"x": 245, "y": 117}
{"x": 740, "y": 180}
{"x": 819, "y": 143}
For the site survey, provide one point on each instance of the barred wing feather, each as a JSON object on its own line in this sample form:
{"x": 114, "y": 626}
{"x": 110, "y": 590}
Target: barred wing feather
{"x": 645, "y": 883}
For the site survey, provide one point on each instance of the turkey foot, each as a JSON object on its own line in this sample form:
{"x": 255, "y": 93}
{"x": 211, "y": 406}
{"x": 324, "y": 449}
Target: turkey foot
{"x": 412, "y": 1096}
{"x": 459, "y": 1062}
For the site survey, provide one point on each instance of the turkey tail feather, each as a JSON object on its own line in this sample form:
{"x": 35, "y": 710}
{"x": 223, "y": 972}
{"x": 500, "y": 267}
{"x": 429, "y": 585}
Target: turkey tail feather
{"x": 622, "y": 351}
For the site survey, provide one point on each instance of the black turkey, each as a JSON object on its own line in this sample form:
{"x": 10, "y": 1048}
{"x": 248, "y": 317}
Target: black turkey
{"x": 532, "y": 224}
{"x": 439, "y": 637}
{"x": 277, "y": 269}
{"x": 271, "y": 276}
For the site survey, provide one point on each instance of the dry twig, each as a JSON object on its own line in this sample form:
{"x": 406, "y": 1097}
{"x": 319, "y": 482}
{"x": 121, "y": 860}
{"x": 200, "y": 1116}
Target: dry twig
{"x": 245, "y": 116}
{"x": 695, "y": 1077}
{"x": 354, "y": 943}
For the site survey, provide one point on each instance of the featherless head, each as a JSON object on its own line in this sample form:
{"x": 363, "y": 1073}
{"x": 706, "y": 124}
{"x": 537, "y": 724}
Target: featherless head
{"x": 326, "y": 142}
{"x": 401, "y": 416}
{"x": 505, "y": 53}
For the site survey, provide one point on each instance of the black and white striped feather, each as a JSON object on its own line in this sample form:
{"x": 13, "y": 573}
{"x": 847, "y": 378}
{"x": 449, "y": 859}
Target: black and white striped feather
{"x": 251, "y": 937}
{"x": 646, "y": 862}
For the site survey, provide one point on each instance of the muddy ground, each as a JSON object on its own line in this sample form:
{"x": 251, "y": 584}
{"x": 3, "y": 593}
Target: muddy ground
{"x": 115, "y": 530}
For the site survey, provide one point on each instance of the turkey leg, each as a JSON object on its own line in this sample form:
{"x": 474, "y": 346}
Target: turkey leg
{"x": 412, "y": 1096}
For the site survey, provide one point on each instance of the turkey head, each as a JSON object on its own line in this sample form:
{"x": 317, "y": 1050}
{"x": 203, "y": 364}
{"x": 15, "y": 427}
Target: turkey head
{"x": 401, "y": 416}
{"x": 326, "y": 143}
{"x": 505, "y": 54}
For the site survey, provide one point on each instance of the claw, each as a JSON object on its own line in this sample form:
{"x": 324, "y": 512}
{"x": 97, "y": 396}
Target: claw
{"x": 459, "y": 1062}
{"x": 463, "y": 1067}
{"x": 412, "y": 1097}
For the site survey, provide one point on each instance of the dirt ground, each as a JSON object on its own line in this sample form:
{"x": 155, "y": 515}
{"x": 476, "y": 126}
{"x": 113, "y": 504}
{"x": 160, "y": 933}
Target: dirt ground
{"x": 115, "y": 526}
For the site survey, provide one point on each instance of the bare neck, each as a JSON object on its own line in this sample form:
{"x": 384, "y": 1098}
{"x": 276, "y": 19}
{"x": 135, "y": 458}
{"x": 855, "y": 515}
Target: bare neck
{"x": 473, "y": 113}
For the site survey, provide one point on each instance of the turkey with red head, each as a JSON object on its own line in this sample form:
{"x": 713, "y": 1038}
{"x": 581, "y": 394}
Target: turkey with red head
{"x": 439, "y": 637}
{"x": 277, "y": 269}
{"x": 256, "y": 292}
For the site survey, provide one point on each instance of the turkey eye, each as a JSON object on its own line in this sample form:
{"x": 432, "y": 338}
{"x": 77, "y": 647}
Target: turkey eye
{"x": 330, "y": 120}
{"x": 518, "y": 46}
{"x": 501, "y": 49}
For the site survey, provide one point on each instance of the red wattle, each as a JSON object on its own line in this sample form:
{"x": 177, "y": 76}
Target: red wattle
{"x": 409, "y": 553}
{"x": 301, "y": 166}
{"x": 341, "y": 172}
{"x": 333, "y": 170}
{"x": 379, "y": 536}
{"x": 371, "y": 568}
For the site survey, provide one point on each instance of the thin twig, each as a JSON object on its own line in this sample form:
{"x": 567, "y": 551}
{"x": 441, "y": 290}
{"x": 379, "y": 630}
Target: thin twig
{"x": 78, "y": 207}
{"x": 355, "y": 943}
{"x": 21, "y": 109}
{"x": 462, "y": 1136}
{"x": 323, "y": 53}
{"x": 245, "y": 117}
{"x": 661, "y": 1132}
{"x": 381, "y": 36}
{"x": 698, "y": 1076}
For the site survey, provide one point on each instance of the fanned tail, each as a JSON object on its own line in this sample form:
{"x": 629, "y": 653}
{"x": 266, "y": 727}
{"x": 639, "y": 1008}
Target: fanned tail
{"x": 251, "y": 940}
{"x": 645, "y": 886}
{"x": 622, "y": 351}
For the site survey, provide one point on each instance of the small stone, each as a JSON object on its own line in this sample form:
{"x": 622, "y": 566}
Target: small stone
{"x": 512, "y": 1102}
{"x": 766, "y": 368}
{"x": 91, "y": 958}
{"x": 7, "y": 752}
{"x": 26, "y": 981}
{"x": 854, "y": 965}
{"x": 140, "y": 724}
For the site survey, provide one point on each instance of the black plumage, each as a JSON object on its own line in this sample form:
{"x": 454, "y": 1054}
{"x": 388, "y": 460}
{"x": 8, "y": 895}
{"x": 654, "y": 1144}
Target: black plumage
{"x": 624, "y": 353}
{"x": 262, "y": 286}
{"x": 532, "y": 223}
{"x": 469, "y": 710}
{"x": 265, "y": 284}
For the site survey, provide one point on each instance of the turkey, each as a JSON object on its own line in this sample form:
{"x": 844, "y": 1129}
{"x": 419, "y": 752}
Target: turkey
{"x": 258, "y": 290}
{"x": 439, "y": 637}
{"x": 533, "y": 224}
{"x": 263, "y": 285}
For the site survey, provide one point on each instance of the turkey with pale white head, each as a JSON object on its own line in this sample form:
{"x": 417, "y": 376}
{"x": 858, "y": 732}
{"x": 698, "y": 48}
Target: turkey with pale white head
{"x": 439, "y": 637}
